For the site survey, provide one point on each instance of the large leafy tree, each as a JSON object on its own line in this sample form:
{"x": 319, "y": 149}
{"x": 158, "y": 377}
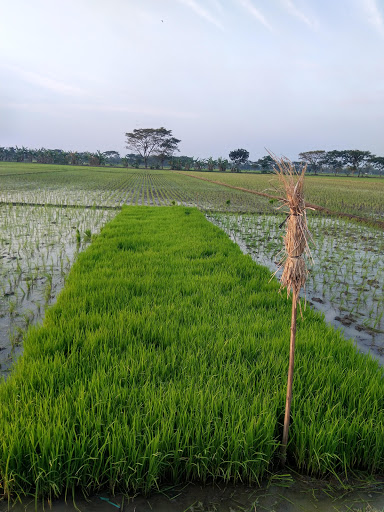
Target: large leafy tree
{"x": 266, "y": 163}
{"x": 167, "y": 148}
{"x": 378, "y": 163}
{"x": 112, "y": 157}
{"x": 238, "y": 157}
{"x": 335, "y": 160}
{"x": 356, "y": 159}
{"x": 150, "y": 141}
{"x": 314, "y": 159}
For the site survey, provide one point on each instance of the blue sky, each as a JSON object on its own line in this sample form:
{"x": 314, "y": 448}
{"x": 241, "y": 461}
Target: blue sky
{"x": 287, "y": 75}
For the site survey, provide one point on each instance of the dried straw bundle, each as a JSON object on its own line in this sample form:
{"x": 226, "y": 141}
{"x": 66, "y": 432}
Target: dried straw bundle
{"x": 295, "y": 270}
{"x": 296, "y": 237}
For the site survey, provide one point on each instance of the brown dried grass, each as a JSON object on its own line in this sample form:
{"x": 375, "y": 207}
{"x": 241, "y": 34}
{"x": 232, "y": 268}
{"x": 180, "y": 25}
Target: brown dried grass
{"x": 297, "y": 234}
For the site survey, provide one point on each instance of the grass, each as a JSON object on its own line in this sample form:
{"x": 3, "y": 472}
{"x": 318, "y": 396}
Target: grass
{"x": 164, "y": 360}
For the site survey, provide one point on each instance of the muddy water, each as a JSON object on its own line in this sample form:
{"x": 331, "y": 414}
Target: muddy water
{"x": 281, "y": 494}
{"x": 346, "y": 282}
{"x": 19, "y": 310}
{"x": 38, "y": 246}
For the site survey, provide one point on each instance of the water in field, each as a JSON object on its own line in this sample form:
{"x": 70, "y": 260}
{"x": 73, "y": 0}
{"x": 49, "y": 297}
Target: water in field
{"x": 37, "y": 248}
{"x": 281, "y": 494}
{"x": 346, "y": 278}
{"x": 115, "y": 188}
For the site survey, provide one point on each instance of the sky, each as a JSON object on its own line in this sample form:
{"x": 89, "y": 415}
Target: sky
{"x": 286, "y": 75}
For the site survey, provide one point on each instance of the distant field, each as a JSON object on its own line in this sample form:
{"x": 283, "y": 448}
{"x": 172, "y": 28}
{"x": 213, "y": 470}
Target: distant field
{"x": 114, "y": 187}
{"x": 358, "y": 196}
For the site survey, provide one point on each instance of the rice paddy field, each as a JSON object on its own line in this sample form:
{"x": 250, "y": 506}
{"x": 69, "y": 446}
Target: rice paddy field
{"x": 346, "y": 278}
{"x": 357, "y": 196}
{"x": 140, "y": 347}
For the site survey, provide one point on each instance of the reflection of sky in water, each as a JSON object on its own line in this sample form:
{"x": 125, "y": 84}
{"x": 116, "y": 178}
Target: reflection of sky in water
{"x": 37, "y": 248}
{"x": 346, "y": 279}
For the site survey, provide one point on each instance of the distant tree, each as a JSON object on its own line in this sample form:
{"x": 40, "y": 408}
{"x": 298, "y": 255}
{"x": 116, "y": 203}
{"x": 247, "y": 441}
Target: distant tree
{"x": 266, "y": 164}
{"x": 238, "y": 157}
{"x": 356, "y": 159}
{"x": 211, "y": 164}
{"x": 148, "y": 141}
{"x": 378, "y": 163}
{"x": 73, "y": 158}
{"x": 198, "y": 164}
{"x": 166, "y": 149}
{"x": 112, "y": 157}
{"x": 188, "y": 162}
{"x": 313, "y": 159}
{"x": 254, "y": 165}
{"x": 178, "y": 163}
{"x": 334, "y": 160}
{"x": 11, "y": 154}
{"x": 222, "y": 164}
{"x": 96, "y": 159}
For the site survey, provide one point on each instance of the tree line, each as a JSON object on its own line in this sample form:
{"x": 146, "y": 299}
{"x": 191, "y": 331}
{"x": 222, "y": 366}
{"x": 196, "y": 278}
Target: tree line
{"x": 348, "y": 161}
{"x": 156, "y": 148}
{"x": 58, "y": 156}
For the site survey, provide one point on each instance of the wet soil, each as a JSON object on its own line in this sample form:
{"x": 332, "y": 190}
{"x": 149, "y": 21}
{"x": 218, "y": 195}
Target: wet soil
{"x": 282, "y": 493}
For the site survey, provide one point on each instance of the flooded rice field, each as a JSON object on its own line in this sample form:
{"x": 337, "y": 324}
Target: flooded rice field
{"x": 346, "y": 277}
{"x": 281, "y": 493}
{"x": 38, "y": 245}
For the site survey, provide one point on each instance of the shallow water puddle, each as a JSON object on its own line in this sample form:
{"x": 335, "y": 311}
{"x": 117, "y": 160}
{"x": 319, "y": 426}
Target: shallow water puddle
{"x": 38, "y": 246}
{"x": 346, "y": 279}
{"x": 281, "y": 494}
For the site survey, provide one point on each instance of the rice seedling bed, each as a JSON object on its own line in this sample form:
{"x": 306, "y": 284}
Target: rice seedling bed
{"x": 37, "y": 248}
{"x": 363, "y": 197}
{"x": 163, "y": 361}
{"x": 346, "y": 280}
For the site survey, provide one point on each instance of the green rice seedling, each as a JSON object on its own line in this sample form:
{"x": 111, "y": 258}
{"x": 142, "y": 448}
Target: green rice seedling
{"x": 162, "y": 361}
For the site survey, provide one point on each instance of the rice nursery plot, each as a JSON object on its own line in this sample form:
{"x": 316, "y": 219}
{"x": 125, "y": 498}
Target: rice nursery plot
{"x": 346, "y": 281}
{"x": 358, "y": 196}
{"x": 164, "y": 360}
{"x": 37, "y": 248}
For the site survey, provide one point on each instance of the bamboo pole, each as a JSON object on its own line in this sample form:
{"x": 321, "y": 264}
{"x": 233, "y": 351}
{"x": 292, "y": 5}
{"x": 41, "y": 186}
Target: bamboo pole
{"x": 294, "y": 268}
{"x": 290, "y": 380}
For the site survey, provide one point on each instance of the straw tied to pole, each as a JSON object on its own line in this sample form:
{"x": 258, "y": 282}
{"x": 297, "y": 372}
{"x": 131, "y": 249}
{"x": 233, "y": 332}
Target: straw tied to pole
{"x": 293, "y": 263}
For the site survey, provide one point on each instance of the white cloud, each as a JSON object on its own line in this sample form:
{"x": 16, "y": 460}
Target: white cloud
{"x": 202, "y": 12}
{"x": 46, "y": 82}
{"x": 97, "y": 107}
{"x": 248, "y": 5}
{"x": 294, "y": 11}
{"x": 374, "y": 16}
